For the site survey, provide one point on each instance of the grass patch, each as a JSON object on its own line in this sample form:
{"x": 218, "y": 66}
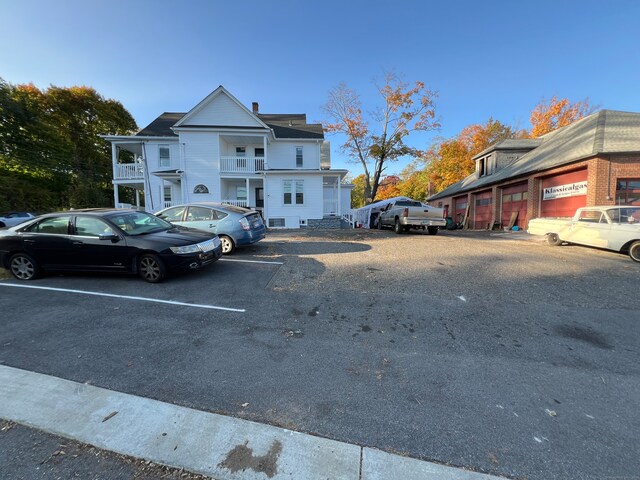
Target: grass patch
{"x": 4, "y": 274}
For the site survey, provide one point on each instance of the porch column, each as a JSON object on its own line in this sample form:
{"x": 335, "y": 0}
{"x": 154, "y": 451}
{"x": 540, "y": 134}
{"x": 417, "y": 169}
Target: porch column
{"x": 248, "y": 192}
{"x": 264, "y": 146}
{"x": 116, "y": 196}
{"x": 339, "y": 197}
{"x": 137, "y": 198}
{"x": 114, "y": 159}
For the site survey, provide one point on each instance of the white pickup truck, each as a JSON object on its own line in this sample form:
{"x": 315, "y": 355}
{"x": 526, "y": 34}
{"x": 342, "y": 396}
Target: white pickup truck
{"x": 403, "y": 215}
{"x": 611, "y": 227}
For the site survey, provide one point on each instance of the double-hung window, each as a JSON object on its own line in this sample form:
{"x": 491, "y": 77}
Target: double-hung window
{"x": 165, "y": 156}
{"x": 299, "y": 157}
{"x": 293, "y": 192}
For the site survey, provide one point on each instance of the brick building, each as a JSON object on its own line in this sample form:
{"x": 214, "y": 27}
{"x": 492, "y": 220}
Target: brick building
{"x": 594, "y": 161}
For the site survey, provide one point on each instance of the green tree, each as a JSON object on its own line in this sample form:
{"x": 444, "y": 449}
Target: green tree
{"x": 404, "y": 109}
{"x": 357, "y": 194}
{"x": 51, "y": 156}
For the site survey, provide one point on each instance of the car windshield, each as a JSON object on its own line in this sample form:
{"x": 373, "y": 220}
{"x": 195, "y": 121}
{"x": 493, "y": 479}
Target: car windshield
{"x": 139, "y": 223}
{"x": 624, "y": 215}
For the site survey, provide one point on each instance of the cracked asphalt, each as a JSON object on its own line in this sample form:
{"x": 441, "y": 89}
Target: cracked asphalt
{"x": 492, "y": 352}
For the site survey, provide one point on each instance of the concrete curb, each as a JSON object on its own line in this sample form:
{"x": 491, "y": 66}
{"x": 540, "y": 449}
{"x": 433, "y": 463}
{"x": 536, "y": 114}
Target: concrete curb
{"x": 206, "y": 443}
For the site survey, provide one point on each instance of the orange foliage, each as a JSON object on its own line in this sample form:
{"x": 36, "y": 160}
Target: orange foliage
{"x": 557, "y": 113}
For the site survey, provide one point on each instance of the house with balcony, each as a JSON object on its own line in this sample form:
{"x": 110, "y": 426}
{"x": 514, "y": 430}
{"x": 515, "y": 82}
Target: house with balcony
{"x": 220, "y": 151}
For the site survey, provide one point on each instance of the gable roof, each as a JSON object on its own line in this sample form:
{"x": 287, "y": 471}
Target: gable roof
{"x": 293, "y": 125}
{"x": 220, "y": 91}
{"x": 603, "y": 132}
{"x": 284, "y": 126}
{"x": 161, "y": 126}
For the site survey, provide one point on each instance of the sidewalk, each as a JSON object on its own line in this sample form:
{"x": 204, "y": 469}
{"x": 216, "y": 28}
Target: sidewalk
{"x": 200, "y": 442}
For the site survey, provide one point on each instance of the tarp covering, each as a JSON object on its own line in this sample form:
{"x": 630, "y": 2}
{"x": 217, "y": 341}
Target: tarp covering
{"x": 362, "y": 216}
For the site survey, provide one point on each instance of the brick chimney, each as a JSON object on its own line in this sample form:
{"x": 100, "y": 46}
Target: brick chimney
{"x": 254, "y": 107}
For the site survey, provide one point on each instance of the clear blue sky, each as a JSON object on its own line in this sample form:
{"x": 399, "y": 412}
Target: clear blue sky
{"x": 486, "y": 59}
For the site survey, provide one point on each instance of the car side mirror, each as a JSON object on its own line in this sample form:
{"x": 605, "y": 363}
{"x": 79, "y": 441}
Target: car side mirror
{"x": 109, "y": 236}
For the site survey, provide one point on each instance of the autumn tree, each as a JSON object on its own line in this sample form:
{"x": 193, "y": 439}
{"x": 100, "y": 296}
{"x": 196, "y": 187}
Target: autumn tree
{"x": 451, "y": 160}
{"x": 549, "y": 116}
{"x": 388, "y": 188}
{"x": 379, "y": 138}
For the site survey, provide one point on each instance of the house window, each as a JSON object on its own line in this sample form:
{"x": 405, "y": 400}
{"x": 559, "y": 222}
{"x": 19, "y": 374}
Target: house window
{"x": 628, "y": 191}
{"x": 293, "y": 192}
{"x": 200, "y": 189}
{"x": 482, "y": 167}
{"x": 299, "y": 157}
{"x": 276, "y": 223}
{"x": 167, "y": 194}
{"x": 260, "y": 152}
{"x": 241, "y": 193}
{"x": 165, "y": 156}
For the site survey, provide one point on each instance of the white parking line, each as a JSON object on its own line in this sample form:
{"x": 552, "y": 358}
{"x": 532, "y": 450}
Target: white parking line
{"x": 250, "y": 261}
{"x": 126, "y": 297}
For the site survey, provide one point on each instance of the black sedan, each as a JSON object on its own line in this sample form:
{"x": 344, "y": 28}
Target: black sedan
{"x": 111, "y": 240}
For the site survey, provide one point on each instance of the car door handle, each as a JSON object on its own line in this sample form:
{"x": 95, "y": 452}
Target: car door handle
{"x": 77, "y": 242}
{"x": 29, "y": 241}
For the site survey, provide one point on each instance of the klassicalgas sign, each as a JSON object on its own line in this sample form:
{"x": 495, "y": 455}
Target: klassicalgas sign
{"x": 569, "y": 190}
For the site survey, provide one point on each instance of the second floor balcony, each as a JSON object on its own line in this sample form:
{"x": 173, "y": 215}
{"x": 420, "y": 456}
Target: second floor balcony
{"x": 241, "y": 164}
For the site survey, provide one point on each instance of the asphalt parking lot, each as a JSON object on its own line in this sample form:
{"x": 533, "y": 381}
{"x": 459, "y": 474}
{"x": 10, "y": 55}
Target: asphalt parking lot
{"x": 487, "y": 351}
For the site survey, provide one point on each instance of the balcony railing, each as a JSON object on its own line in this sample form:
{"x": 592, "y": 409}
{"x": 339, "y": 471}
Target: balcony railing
{"x": 241, "y": 164}
{"x": 237, "y": 203}
{"x": 129, "y": 171}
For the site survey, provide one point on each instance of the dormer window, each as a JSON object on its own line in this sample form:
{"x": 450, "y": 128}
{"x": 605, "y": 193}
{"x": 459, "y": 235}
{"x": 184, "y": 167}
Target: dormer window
{"x": 485, "y": 166}
{"x": 482, "y": 167}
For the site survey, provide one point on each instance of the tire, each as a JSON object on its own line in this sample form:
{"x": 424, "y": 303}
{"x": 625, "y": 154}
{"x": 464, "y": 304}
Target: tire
{"x": 228, "y": 247}
{"x": 432, "y": 230}
{"x": 23, "y": 267}
{"x": 397, "y": 227}
{"x": 634, "y": 251}
{"x": 553, "y": 239}
{"x": 151, "y": 268}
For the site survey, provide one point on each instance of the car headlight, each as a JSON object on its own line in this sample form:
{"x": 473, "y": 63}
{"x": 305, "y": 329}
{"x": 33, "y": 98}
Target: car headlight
{"x": 186, "y": 249}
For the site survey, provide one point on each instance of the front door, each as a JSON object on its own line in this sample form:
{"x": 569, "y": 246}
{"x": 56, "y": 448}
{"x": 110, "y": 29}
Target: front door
{"x": 259, "y": 197}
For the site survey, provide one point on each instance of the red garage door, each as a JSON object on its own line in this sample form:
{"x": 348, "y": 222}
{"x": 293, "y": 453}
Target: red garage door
{"x": 561, "y": 195}
{"x": 514, "y": 199}
{"x": 482, "y": 213}
{"x": 459, "y": 208}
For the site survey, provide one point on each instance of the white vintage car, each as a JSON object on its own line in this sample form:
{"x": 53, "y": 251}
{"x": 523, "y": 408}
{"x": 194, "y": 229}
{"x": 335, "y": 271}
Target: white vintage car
{"x": 613, "y": 228}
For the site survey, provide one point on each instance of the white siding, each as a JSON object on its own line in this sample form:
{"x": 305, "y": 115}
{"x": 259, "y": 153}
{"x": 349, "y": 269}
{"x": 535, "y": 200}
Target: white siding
{"x": 152, "y": 151}
{"x": 201, "y": 165}
{"x": 282, "y": 155}
{"x": 313, "y": 197}
{"x": 221, "y": 110}
{"x": 345, "y": 194}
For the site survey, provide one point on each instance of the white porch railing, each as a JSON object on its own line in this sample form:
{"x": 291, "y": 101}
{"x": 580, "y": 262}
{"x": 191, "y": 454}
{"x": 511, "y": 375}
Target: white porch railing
{"x": 237, "y": 203}
{"x": 241, "y": 164}
{"x": 129, "y": 171}
{"x": 166, "y": 204}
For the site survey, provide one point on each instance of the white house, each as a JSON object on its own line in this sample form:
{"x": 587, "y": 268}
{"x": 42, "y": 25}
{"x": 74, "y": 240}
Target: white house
{"x": 221, "y": 151}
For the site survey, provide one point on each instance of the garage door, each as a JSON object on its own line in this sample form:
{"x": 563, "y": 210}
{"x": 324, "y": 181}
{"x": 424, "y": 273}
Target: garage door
{"x": 514, "y": 200}
{"x": 459, "y": 208}
{"x": 482, "y": 212}
{"x": 562, "y": 194}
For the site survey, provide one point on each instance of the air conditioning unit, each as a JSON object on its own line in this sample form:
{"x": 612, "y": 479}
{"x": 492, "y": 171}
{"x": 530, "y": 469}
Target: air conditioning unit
{"x": 303, "y": 223}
